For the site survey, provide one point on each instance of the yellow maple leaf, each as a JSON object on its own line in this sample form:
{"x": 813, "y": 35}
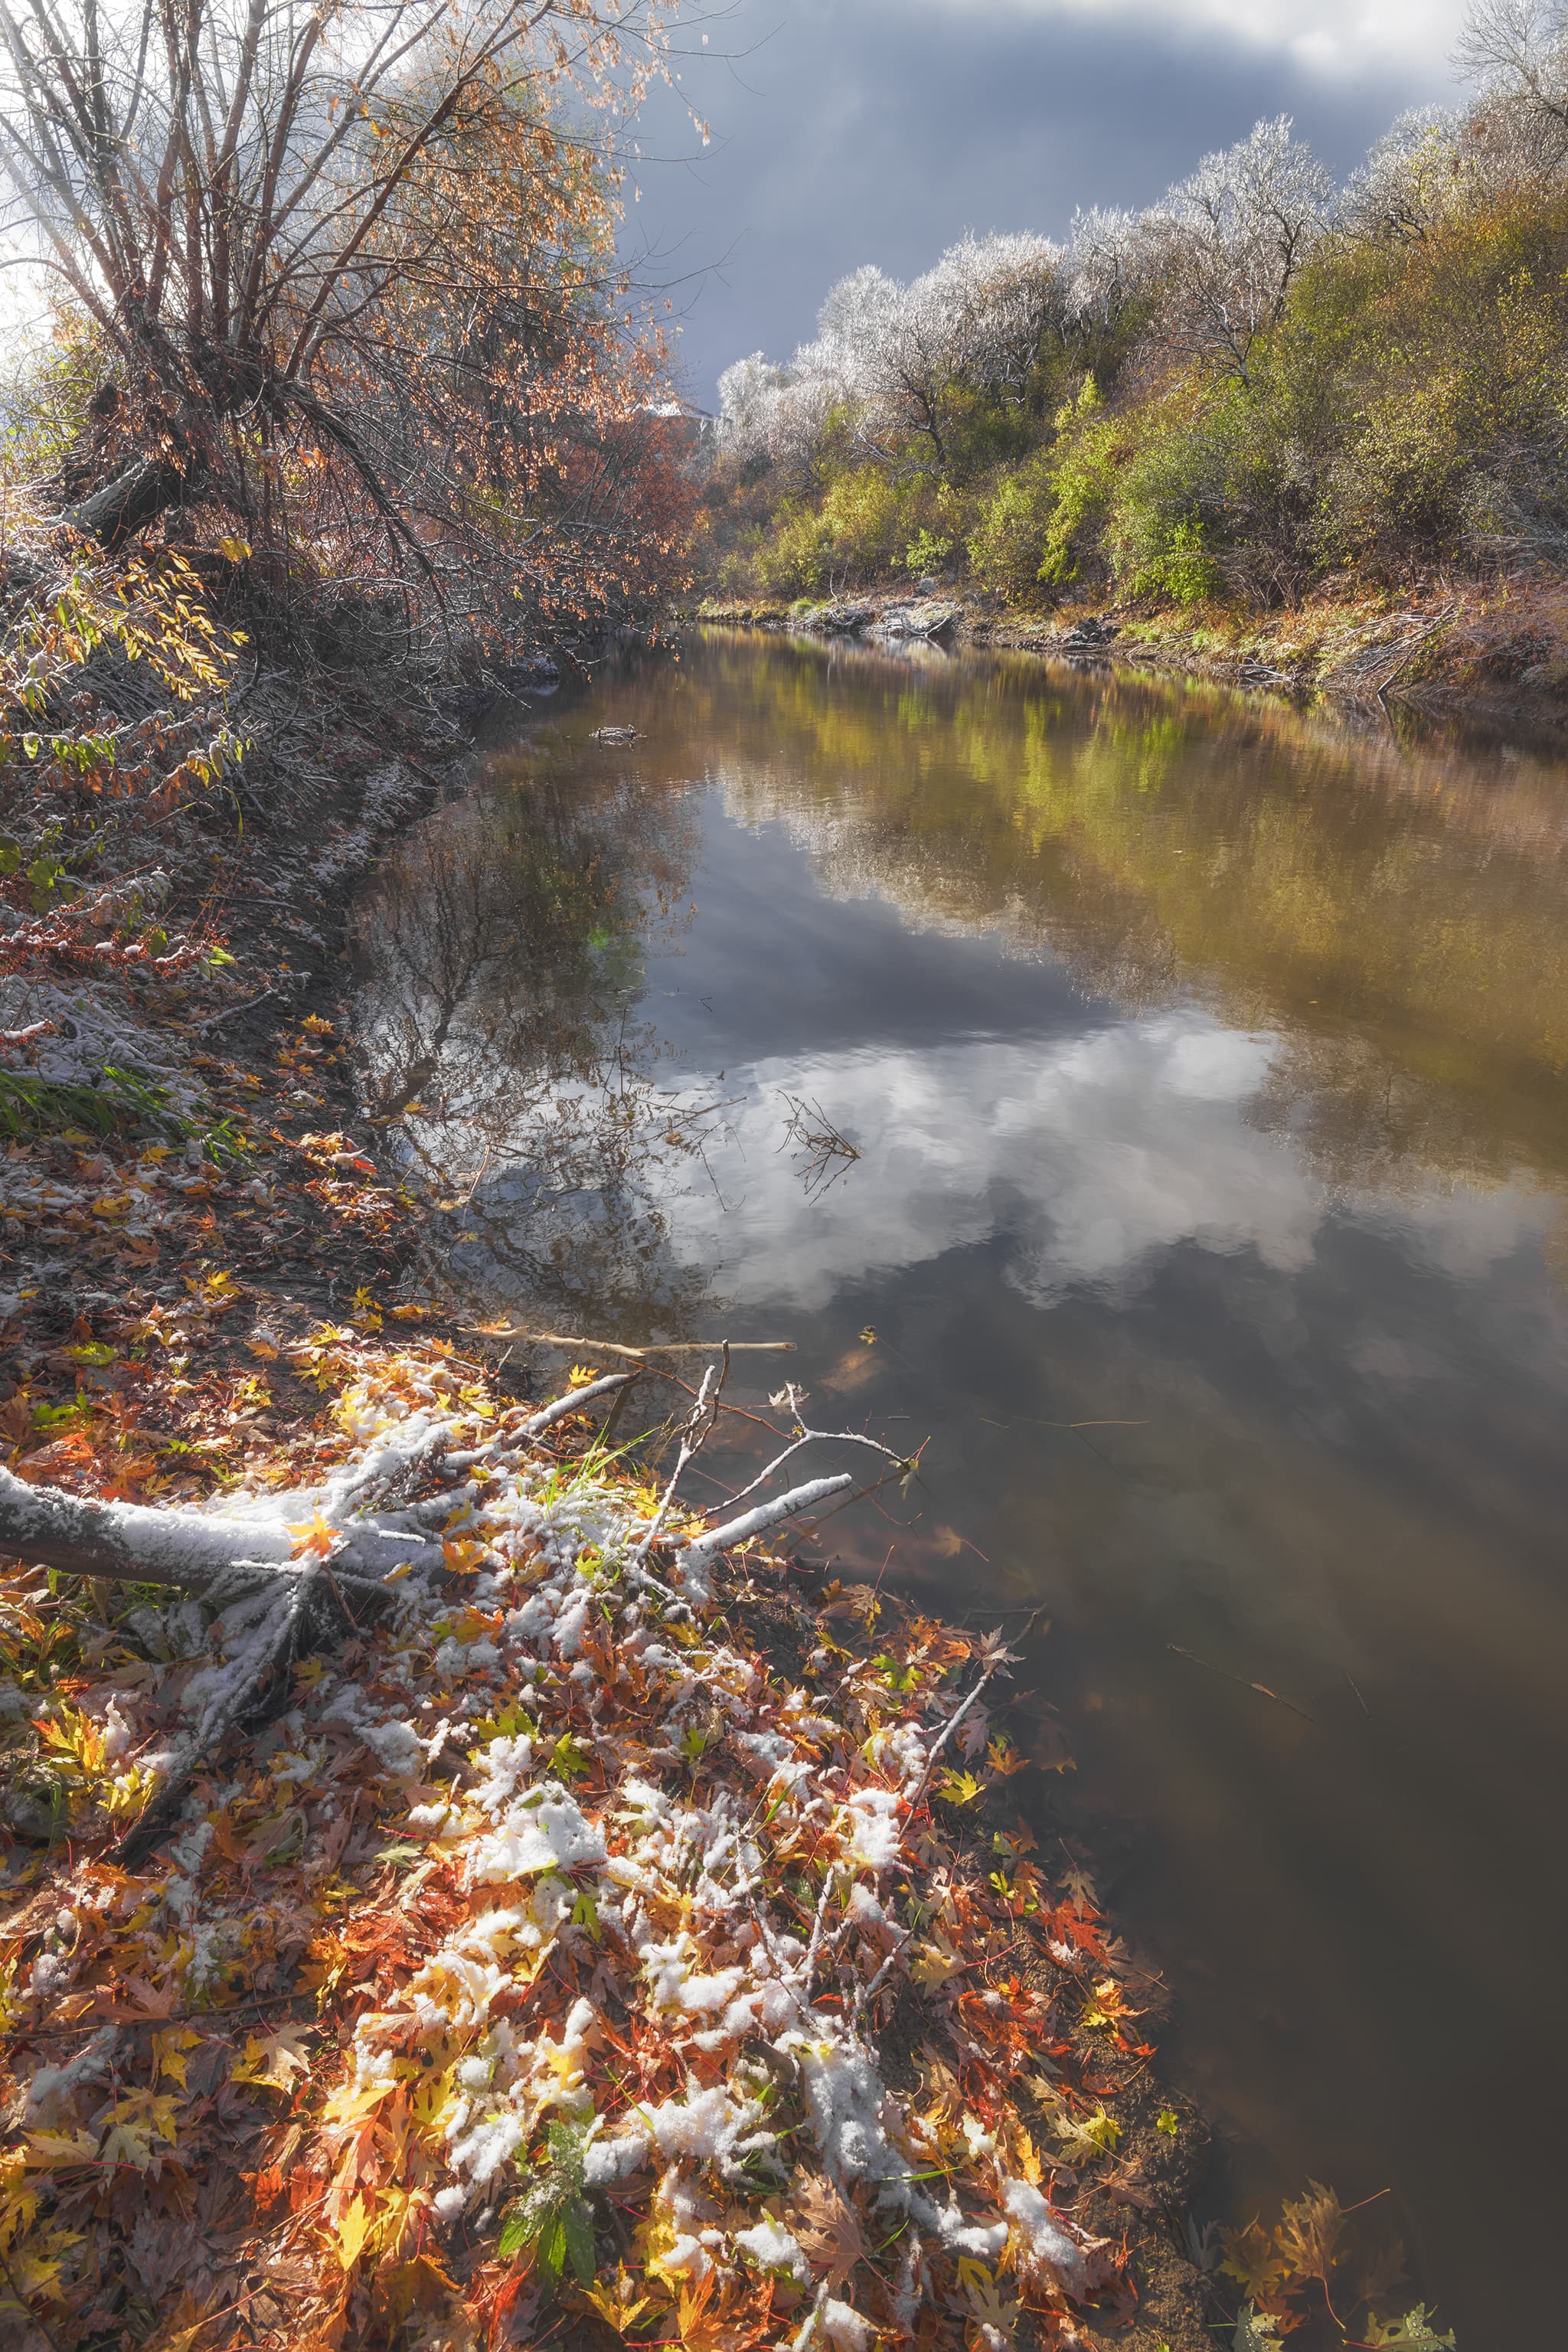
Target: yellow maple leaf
{"x": 48, "y": 2149}
{"x": 18, "y": 2211}
{"x": 933, "y": 1964}
{"x": 350, "y": 2102}
{"x": 353, "y": 2228}
{"x": 274, "y": 2058}
{"x": 140, "y": 2116}
{"x": 169, "y": 2049}
{"x": 618, "y": 2300}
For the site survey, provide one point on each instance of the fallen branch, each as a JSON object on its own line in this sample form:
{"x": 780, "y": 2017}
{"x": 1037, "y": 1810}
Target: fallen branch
{"x": 618, "y": 1348}
{"x": 693, "y": 1559}
{"x": 209, "y": 1558}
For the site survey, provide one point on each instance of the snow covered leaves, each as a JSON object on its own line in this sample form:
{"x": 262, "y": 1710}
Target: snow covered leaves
{"x": 596, "y": 1916}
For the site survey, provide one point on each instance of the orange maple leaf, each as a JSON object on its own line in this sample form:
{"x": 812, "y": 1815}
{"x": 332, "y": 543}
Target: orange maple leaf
{"x": 314, "y": 1535}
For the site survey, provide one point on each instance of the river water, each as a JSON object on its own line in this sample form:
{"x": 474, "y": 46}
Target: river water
{"x": 1204, "y": 1067}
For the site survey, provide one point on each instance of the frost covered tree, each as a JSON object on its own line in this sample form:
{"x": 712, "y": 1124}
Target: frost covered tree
{"x": 1232, "y": 237}
{"x": 1111, "y": 262}
{"x": 970, "y": 325}
{"x": 775, "y": 415}
{"x": 1516, "y": 133}
{"x": 1412, "y": 178}
{"x": 894, "y": 357}
{"x": 1518, "y": 48}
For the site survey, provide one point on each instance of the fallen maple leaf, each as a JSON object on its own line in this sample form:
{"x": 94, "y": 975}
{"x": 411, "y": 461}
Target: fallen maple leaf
{"x": 933, "y": 1964}
{"x": 272, "y": 2058}
{"x": 1308, "y": 2234}
{"x": 824, "y": 2228}
{"x": 169, "y": 2049}
{"x": 315, "y": 1535}
{"x": 353, "y": 2229}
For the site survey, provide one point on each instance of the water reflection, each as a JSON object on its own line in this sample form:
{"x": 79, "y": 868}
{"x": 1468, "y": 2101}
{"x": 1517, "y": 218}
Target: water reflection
{"x": 503, "y": 946}
{"x": 1204, "y": 1063}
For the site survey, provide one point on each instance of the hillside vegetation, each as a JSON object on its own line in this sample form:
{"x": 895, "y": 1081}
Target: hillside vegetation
{"x": 1261, "y": 386}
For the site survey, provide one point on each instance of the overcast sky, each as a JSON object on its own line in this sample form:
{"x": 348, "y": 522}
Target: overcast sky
{"x": 852, "y": 131}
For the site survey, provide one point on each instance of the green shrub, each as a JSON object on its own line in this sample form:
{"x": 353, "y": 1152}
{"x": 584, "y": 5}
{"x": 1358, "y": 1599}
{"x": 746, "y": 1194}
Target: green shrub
{"x": 865, "y": 514}
{"x": 792, "y": 560}
{"x": 1007, "y": 544}
{"x": 1091, "y": 449}
{"x": 926, "y": 552}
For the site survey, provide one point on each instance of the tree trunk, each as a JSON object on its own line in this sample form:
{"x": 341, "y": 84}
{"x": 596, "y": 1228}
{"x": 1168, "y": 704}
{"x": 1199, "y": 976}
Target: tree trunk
{"x": 190, "y": 1552}
{"x": 128, "y": 504}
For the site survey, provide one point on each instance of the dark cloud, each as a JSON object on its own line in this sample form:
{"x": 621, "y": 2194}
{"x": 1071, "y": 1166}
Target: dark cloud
{"x": 852, "y": 131}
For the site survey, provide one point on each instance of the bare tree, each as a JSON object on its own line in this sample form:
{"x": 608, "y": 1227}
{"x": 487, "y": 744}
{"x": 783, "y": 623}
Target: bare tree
{"x": 262, "y": 207}
{"x": 1517, "y": 130}
{"x": 1520, "y": 49}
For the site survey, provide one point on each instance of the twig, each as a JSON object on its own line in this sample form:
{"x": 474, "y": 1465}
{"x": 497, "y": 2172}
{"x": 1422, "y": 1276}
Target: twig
{"x": 477, "y": 1174}
{"x": 818, "y": 1437}
{"x": 1003, "y": 1658}
{"x": 215, "y": 1019}
{"x": 824, "y": 1144}
{"x": 694, "y": 1436}
{"x": 1241, "y": 1680}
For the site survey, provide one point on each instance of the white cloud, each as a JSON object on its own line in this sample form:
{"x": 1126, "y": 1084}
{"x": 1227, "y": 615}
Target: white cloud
{"x": 1094, "y": 1157}
{"x": 1324, "y": 36}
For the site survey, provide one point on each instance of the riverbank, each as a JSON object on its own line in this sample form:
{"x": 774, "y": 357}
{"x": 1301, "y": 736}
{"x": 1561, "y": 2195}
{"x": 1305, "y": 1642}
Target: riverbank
{"x": 1496, "y": 653}
{"x": 309, "y": 2054}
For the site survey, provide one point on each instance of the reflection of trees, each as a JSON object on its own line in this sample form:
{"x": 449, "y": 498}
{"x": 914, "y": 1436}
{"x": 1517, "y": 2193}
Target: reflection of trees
{"x": 501, "y": 948}
{"x": 1397, "y": 911}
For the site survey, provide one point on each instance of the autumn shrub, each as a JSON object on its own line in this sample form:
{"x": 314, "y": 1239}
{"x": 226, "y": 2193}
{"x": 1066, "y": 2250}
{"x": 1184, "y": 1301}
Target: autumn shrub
{"x": 927, "y": 551}
{"x": 865, "y": 516}
{"x": 119, "y": 769}
{"x": 1091, "y": 449}
{"x": 1007, "y": 545}
{"x": 792, "y": 559}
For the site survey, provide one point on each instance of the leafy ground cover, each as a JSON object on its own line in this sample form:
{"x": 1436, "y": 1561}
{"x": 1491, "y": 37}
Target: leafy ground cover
{"x": 544, "y": 1948}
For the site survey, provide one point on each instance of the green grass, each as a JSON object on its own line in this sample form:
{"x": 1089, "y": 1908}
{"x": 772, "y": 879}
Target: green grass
{"x": 120, "y": 1102}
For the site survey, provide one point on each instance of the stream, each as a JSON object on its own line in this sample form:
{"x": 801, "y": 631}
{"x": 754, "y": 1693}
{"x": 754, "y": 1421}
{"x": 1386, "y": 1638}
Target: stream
{"x": 1153, "y": 1100}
